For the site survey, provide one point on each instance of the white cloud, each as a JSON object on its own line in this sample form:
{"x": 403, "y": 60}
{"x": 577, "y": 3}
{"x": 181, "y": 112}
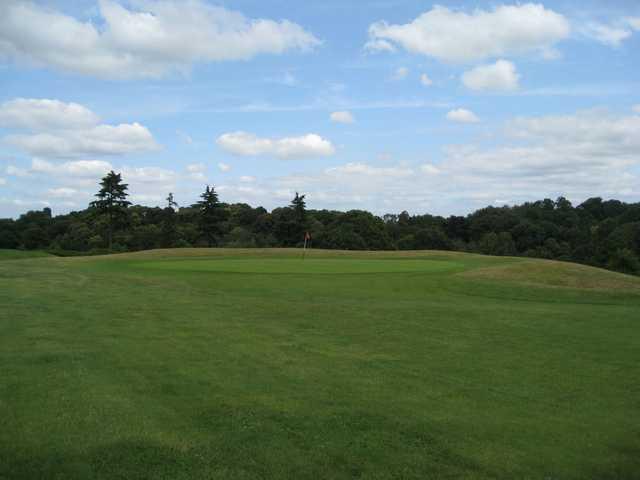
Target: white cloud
{"x": 342, "y": 117}
{"x": 588, "y": 152}
{"x": 155, "y": 175}
{"x": 636, "y": 108}
{"x": 367, "y": 170}
{"x": 248, "y": 144}
{"x": 196, "y": 171}
{"x": 429, "y": 169}
{"x": 287, "y": 79}
{"x": 541, "y": 157}
{"x": 196, "y": 168}
{"x": 377, "y": 45}
{"x": 69, "y": 130}
{"x": 151, "y": 40}
{"x": 100, "y": 140}
{"x": 24, "y": 203}
{"x": 609, "y": 35}
{"x": 499, "y": 76}
{"x": 331, "y": 104}
{"x": 551, "y": 54}
{"x": 457, "y": 36}
{"x": 612, "y": 34}
{"x": 400, "y": 73}
{"x": 588, "y": 128}
{"x": 78, "y": 179}
{"x": 283, "y": 194}
{"x": 62, "y": 192}
{"x": 16, "y": 171}
{"x": 44, "y": 114}
{"x": 224, "y": 167}
{"x": 577, "y": 155}
{"x": 462, "y": 115}
{"x": 140, "y": 198}
{"x": 3, "y": 181}
{"x": 242, "y": 193}
{"x": 185, "y": 137}
{"x": 425, "y": 80}
{"x": 78, "y": 168}
{"x": 150, "y": 184}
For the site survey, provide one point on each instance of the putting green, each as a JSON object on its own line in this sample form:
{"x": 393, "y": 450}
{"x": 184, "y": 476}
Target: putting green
{"x": 298, "y": 266}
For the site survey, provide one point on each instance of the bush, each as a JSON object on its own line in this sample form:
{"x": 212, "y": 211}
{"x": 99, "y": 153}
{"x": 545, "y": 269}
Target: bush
{"x": 408, "y": 242}
{"x": 624, "y": 260}
{"x": 432, "y": 239}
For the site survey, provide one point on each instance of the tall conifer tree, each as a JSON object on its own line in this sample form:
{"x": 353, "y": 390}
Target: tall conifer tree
{"x": 169, "y": 227}
{"x": 299, "y": 207}
{"x": 111, "y": 200}
{"x": 211, "y": 215}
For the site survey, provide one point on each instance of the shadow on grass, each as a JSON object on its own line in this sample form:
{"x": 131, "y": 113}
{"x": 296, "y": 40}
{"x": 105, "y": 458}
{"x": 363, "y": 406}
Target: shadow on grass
{"x": 242, "y": 458}
{"x": 122, "y": 460}
{"x": 137, "y": 460}
{"x": 625, "y": 465}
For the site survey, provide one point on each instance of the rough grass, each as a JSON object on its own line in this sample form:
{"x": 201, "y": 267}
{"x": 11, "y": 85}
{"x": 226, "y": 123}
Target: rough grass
{"x": 253, "y": 364}
{"x": 557, "y": 274}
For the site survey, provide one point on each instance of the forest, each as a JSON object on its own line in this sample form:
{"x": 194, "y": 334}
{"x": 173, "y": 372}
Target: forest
{"x": 603, "y": 233}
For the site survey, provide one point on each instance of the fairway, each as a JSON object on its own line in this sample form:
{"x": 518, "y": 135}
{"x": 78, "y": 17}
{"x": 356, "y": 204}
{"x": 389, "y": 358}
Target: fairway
{"x": 242, "y": 364}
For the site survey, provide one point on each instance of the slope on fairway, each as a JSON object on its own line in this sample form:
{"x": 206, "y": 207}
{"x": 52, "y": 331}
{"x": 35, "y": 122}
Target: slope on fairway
{"x": 203, "y": 363}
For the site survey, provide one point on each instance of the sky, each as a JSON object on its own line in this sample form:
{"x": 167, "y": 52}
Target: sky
{"x": 382, "y": 105}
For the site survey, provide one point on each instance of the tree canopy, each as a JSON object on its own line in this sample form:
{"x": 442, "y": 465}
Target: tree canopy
{"x": 599, "y": 232}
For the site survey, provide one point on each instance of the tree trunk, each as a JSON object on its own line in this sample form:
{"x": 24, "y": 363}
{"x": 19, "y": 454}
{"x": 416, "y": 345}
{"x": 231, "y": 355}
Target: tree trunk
{"x": 110, "y": 231}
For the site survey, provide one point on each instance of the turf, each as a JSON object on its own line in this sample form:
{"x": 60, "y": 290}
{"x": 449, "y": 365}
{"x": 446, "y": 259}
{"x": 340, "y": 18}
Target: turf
{"x": 254, "y": 364}
{"x": 6, "y": 254}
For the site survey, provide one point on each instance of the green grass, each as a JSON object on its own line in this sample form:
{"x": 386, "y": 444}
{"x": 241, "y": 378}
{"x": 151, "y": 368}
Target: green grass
{"x": 253, "y": 364}
{"x": 6, "y": 254}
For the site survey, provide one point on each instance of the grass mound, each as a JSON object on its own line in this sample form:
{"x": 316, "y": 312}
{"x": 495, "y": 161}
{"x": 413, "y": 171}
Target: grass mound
{"x": 557, "y": 274}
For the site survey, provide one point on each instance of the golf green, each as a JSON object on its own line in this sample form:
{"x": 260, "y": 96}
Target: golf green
{"x": 312, "y": 266}
{"x": 211, "y": 363}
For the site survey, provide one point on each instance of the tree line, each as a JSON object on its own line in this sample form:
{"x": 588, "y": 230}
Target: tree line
{"x": 596, "y": 232}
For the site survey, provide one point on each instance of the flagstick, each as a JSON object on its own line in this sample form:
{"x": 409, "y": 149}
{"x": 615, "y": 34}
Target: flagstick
{"x": 304, "y": 249}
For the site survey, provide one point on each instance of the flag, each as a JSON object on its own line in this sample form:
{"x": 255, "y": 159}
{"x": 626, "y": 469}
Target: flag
{"x": 307, "y": 237}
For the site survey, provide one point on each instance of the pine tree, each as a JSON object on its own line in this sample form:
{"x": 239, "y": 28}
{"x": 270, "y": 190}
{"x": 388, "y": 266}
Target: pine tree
{"x": 299, "y": 208}
{"x": 171, "y": 203}
{"x": 111, "y": 200}
{"x": 211, "y": 215}
{"x": 169, "y": 229}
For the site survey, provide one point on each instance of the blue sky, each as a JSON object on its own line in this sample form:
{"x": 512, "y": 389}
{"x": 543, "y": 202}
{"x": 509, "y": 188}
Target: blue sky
{"x": 384, "y": 105}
